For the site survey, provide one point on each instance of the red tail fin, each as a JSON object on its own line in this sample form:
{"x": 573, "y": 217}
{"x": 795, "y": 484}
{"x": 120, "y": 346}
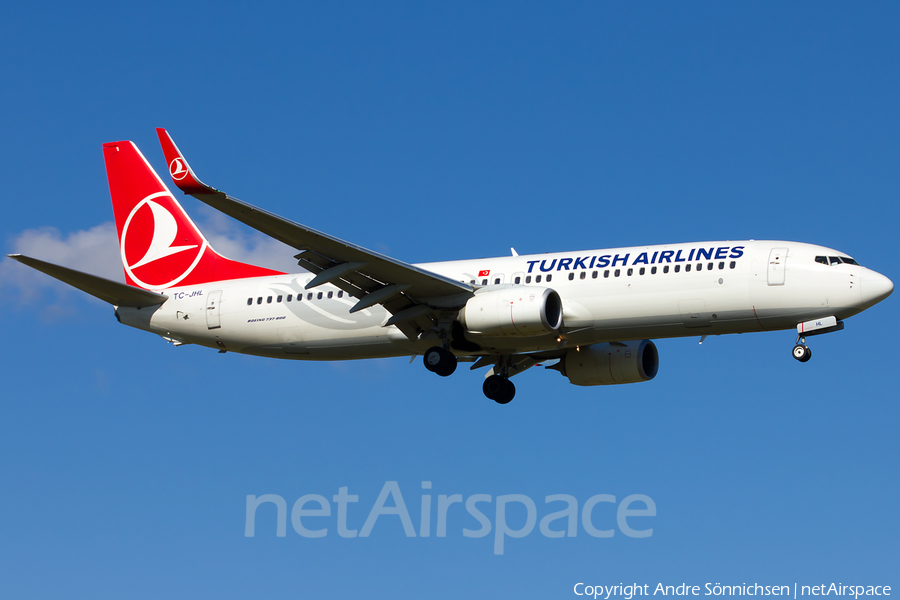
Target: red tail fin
{"x": 160, "y": 245}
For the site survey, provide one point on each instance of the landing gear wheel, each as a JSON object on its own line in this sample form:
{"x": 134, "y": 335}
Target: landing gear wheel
{"x": 437, "y": 360}
{"x": 450, "y": 368}
{"x": 499, "y": 389}
{"x": 802, "y": 353}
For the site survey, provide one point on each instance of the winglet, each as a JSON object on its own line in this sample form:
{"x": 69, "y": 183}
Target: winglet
{"x": 181, "y": 172}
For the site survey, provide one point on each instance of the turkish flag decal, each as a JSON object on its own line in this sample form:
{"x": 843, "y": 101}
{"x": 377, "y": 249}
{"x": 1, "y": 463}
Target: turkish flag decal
{"x": 484, "y": 273}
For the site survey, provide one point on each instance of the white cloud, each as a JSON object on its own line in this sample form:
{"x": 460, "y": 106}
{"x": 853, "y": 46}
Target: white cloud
{"x": 237, "y": 242}
{"x": 96, "y": 251}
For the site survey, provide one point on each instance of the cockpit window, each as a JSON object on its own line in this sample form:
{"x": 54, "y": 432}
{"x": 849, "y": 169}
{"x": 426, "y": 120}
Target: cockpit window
{"x": 836, "y": 260}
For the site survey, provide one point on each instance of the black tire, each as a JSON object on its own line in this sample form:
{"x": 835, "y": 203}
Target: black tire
{"x": 440, "y": 361}
{"x": 802, "y": 353}
{"x": 509, "y": 392}
{"x": 499, "y": 389}
{"x": 435, "y": 359}
{"x": 492, "y": 387}
{"x": 450, "y": 367}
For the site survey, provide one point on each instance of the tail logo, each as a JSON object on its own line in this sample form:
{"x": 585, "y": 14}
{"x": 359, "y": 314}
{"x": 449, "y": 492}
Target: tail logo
{"x": 150, "y": 253}
{"x": 177, "y": 169}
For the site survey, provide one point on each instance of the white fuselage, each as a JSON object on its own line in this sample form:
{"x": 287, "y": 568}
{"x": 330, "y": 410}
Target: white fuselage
{"x": 735, "y": 287}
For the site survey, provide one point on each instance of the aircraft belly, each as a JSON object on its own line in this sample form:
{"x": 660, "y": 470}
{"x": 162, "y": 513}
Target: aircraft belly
{"x": 709, "y": 308}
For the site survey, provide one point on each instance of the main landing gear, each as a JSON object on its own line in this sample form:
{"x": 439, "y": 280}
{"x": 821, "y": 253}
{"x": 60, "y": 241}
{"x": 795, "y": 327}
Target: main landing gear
{"x": 499, "y": 389}
{"x": 496, "y": 387}
{"x": 801, "y": 351}
{"x": 440, "y": 361}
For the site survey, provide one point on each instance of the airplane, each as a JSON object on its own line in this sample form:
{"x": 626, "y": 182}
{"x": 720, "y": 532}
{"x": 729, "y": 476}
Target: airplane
{"x": 592, "y": 314}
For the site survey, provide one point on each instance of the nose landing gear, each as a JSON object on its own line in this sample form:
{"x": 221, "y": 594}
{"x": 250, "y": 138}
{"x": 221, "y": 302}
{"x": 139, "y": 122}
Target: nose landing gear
{"x": 801, "y": 351}
{"x": 815, "y": 327}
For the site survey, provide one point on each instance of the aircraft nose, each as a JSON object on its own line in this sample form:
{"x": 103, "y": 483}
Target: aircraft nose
{"x": 875, "y": 287}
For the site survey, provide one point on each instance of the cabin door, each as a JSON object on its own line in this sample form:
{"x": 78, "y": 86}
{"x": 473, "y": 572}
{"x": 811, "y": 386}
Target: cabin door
{"x": 777, "y": 258}
{"x": 212, "y": 309}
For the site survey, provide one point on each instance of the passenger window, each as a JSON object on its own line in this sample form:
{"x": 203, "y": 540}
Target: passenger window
{"x": 687, "y": 268}
{"x": 496, "y": 281}
{"x": 549, "y": 277}
{"x": 630, "y": 272}
{"x": 822, "y": 260}
{"x": 330, "y": 295}
{"x": 319, "y": 296}
{"x": 617, "y": 272}
{"x": 309, "y": 296}
{"x": 584, "y": 274}
{"x": 528, "y": 279}
{"x": 571, "y": 276}
{"x": 290, "y": 297}
{"x": 666, "y": 269}
{"x": 699, "y": 266}
{"x": 653, "y": 270}
{"x": 299, "y": 297}
{"x": 732, "y": 265}
{"x": 537, "y": 279}
{"x": 518, "y": 280}
{"x": 259, "y": 300}
{"x": 721, "y": 265}
{"x": 279, "y": 299}
{"x": 341, "y": 294}
{"x": 472, "y": 281}
{"x": 269, "y": 300}
{"x": 606, "y": 273}
{"x": 249, "y": 301}
{"x": 709, "y": 267}
{"x": 594, "y": 275}
{"x": 484, "y": 282}
{"x": 677, "y": 268}
{"x": 642, "y": 271}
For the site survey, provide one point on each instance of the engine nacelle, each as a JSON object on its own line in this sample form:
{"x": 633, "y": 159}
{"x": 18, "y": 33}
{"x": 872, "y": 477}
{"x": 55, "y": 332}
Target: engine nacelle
{"x": 521, "y": 311}
{"x": 611, "y": 363}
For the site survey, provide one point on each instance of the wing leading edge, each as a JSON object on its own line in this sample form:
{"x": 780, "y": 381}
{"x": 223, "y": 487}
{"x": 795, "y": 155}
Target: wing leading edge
{"x": 413, "y": 296}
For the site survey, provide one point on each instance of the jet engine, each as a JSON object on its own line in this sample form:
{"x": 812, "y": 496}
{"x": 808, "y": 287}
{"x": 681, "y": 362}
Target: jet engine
{"x": 610, "y": 363}
{"x": 519, "y": 311}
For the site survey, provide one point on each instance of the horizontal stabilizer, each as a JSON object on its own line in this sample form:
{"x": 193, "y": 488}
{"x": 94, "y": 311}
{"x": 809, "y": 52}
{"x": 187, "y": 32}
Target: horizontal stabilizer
{"x": 118, "y": 294}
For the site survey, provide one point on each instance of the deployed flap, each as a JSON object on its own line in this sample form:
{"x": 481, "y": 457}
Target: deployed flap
{"x": 118, "y": 294}
{"x": 320, "y": 251}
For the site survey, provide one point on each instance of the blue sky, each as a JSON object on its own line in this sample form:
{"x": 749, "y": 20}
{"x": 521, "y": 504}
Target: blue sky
{"x": 433, "y": 131}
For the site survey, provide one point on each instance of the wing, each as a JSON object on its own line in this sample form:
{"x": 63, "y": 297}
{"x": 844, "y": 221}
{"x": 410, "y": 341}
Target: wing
{"x": 117, "y": 294}
{"x": 415, "y": 297}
